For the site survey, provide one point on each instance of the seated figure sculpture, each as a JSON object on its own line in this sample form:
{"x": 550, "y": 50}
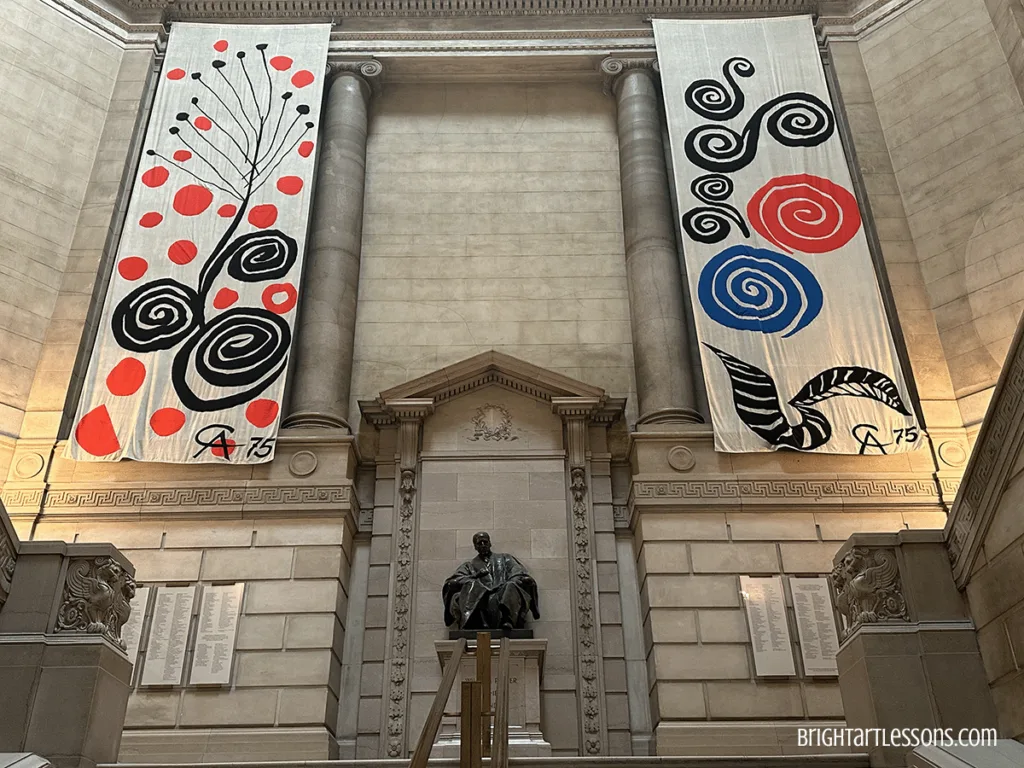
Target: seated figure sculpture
{"x": 492, "y": 591}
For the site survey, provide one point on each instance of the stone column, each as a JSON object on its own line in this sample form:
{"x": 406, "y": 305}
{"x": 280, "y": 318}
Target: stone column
{"x": 325, "y": 334}
{"x": 664, "y": 377}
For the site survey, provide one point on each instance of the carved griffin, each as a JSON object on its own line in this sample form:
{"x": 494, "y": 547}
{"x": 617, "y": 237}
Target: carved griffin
{"x": 97, "y": 598}
{"x": 867, "y": 587}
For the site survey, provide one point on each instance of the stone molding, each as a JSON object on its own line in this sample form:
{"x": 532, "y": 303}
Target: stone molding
{"x": 401, "y": 609}
{"x": 121, "y": 501}
{"x": 991, "y": 466}
{"x": 96, "y": 598}
{"x": 487, "y": 369}
{"x": 773, "y": 491}
{"x": 867, "y": 589}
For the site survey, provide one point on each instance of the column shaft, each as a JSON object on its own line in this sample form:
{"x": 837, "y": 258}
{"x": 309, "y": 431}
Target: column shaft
{"x": 325, "y": 335}
{"x": 664, "y": 378}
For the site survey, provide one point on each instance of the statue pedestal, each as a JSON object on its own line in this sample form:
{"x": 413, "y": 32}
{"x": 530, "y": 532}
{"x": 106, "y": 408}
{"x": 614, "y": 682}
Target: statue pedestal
{"x": 525, "y": 665}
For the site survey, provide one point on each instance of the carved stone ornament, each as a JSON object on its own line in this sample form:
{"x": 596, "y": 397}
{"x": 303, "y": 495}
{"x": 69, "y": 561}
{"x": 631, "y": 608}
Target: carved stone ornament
{"x": 587, "y": 637}
{"x": 97, "y": 598}
{"x": 400, "y": 639}
{"x": 7, "y": 560}
{"x": 492, "y": 423}
{"x": 867, "y": 588}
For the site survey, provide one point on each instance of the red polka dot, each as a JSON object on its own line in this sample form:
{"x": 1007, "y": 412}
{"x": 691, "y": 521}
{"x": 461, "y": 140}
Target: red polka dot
{"x": 182, "y": 251}
{"x": 126, "y": 377}
{"x": 227, "y": 211}
{"x": 261, "y": 413}
{"x": 203, "y": 123}
{"x": 166, "y": 421}
{"x": 225, "y": 449}
{"x": 263, "y": 216}
{"x": 192, "y": 199}
{"x": 156, "y": 176}
{"x": 220, "y": 46}
{"x": 302, "y": 78}
{"x": 182, "y": 155}
{"x": 280, "y": 297}
{"x": 306, "y": 148}
{"x": 225, "y": 298}
{"x": 176, "y": 74}
{"x": 95, "y": 433}
{"x": 132, "y": 268}
{"x": 150, "y": 219}
{"x": 289, "y": 185}
{"x": 281, "y": 63}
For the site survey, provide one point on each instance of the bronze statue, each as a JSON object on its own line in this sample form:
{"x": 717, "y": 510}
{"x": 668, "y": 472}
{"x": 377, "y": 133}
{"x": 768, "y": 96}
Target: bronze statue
{"x": 491, "y": 591}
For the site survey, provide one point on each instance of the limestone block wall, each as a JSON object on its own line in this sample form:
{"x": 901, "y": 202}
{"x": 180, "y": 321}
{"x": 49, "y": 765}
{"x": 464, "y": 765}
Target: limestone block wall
{"x": 700, "y": 662}
{"x": 997, "y": 606}
{"x": 953, "y": 123}
{"x": 700, "y": 520}
{"x": 56, "y": 83}
{"x": 492, "y": 220}
{"x": 284, "y": 688}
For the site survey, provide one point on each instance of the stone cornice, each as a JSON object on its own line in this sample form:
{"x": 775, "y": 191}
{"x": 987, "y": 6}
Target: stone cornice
{"x": 142, "y": 23}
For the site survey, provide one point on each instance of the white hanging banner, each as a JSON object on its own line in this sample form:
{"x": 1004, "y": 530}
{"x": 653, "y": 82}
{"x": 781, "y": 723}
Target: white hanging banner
{"x": 194, "y": 340}
{"x": 795, "y": 345}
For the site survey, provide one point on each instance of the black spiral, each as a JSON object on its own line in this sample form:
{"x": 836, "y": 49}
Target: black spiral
{"x": 243, "y": 350}
{"x": 713, "y": 221}
{"x": 794, "y": 119}
{"x": 254, "y": 257}
{"x": 155, "y": 316}
{"x": 714, "y": 101}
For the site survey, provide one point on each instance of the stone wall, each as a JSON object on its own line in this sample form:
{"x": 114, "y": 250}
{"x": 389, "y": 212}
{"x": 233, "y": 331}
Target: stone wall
{"x": 56, "y": 81}
{"x": 701, "y": 520}
{"x": 953, "y": 124}
{"x": 284, "y": 689}
{"x": 997, "y": 605}
{"x": 493, "y": 220}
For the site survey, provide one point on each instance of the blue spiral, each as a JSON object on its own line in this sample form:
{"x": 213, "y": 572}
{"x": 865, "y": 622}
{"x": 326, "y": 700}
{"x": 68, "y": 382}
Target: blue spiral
{"x": 754, "y": 289}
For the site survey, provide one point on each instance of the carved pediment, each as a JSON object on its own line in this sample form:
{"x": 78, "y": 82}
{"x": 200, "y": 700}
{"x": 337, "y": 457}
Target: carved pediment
{"x": 485, "y": 370}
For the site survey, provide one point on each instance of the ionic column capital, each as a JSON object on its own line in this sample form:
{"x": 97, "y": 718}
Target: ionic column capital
{"x": 368, "y": 71}
{"x": 614, "y": 67}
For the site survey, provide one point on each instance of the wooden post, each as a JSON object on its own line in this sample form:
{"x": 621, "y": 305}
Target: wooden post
{"x": 499, "y": 757}
{"x": 429, "y": 732}
{"x": 469, "y": 745}
{"x": 483, "y": 676}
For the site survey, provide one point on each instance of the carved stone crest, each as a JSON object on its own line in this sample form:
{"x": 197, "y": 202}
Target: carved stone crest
{"x": 867, "y": 588}
{"x": 97, "y": 598}
{"x": 492, "y": 422}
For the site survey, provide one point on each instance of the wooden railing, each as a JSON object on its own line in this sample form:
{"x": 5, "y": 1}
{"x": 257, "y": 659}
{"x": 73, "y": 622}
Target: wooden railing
{"x": 476, "y": 735}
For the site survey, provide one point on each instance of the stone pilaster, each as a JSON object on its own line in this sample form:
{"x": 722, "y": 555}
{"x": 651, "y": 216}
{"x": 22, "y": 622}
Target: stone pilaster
{"x": 326, "y": 328}
{"x": 409, "y": 415}
{"x": 664, "y": 375}
{"x": 576, "y": 413}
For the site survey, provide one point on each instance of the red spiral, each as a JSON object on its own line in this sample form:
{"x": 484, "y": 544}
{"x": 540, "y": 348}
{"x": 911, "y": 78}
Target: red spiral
{"x": 804, "y": 213}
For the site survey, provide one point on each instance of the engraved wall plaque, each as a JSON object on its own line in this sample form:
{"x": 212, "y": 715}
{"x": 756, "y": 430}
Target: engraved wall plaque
{"x": 215, "y": 636}
{"x": 815, "y": 625}
{"x": 168, "y": 635}
{"x": 765, "y": 603}
{"x": 131, "y": 632}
